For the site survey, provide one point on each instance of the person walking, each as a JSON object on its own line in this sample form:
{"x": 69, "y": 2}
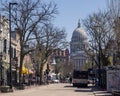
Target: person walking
{"x": 70, "y": 80}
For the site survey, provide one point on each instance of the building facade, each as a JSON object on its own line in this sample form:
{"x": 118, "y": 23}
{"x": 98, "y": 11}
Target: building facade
{"x": 57, "y": 57}
{"x": 5, "y": 51}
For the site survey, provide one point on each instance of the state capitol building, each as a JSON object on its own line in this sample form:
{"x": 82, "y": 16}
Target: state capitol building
{"x": 78, "y": 44}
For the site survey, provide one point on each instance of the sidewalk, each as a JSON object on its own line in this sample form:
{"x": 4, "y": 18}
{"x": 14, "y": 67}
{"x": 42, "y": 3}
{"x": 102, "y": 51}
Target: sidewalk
{"x": 100, "y": 92}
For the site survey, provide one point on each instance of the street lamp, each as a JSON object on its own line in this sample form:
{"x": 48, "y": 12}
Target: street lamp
{"x": 1, "y": 68}
{"x": 97, "y": 29}
{"x": 10, "y": 5}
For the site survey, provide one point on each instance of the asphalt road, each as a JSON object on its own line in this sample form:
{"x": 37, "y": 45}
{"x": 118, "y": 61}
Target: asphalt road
{"x": 59, "y": 89}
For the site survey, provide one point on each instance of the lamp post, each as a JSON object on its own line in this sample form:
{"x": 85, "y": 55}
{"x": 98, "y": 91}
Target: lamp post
{"x": 1, "y": 68}
{"x": 10, "y": 5}
{"x": 97, "y": 29}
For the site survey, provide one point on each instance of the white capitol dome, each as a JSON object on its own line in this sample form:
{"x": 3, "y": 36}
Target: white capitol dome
{"x": 78, "y": 44}
{"x": 78, "y": 34}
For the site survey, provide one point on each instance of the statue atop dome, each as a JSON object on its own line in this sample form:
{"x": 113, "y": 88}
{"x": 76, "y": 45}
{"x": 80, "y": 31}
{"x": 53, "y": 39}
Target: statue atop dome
{"x": 79, "y": 23}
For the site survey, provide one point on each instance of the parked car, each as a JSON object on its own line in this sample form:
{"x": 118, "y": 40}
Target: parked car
{"x": 55, "y": 81}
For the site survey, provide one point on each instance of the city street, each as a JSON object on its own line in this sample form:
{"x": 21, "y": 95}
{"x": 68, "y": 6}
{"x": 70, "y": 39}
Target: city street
{"x": 60, "y": 89}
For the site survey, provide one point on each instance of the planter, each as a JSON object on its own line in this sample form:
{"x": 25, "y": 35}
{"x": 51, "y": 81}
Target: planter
{"x": 21, "y": 87}
{"x": 116, "y": 93}
{"x": 4, "y": 89}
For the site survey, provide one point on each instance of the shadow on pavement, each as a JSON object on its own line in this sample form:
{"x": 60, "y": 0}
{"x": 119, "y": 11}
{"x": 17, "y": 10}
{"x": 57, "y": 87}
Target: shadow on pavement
{"x": 68, "y": 86}
{"x": 83, "y": 90}
{"x": 90, "y": 88}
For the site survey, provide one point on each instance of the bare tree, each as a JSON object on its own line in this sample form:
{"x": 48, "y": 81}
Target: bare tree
{"x": 28, "y": 15}
{"x": 114, "y": 14}
{"x": 66, "y": 68}
{"x": 100, "y": 34}
{"x": 48, "y": 39}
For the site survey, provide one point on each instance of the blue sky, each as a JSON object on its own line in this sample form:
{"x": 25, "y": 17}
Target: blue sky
{"x": 70, "y": 11}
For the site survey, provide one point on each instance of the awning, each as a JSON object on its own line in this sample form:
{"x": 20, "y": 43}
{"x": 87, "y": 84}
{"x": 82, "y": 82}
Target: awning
{"x": 31, "y": 72}
{"x": 25, "y": 70}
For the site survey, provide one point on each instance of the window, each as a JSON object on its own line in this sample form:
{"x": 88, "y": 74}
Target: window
{"x": 5, "y": 46}
{"x": 14, "y": 52}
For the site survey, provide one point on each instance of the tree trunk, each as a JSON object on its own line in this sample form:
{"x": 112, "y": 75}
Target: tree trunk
{"x": 20, "y": 69}
{"x": 41, "y": 74}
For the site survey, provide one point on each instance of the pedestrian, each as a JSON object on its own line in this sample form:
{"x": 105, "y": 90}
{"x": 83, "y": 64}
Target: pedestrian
{"x": 96, "y": 82}
{"x": 70, "y": 80}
